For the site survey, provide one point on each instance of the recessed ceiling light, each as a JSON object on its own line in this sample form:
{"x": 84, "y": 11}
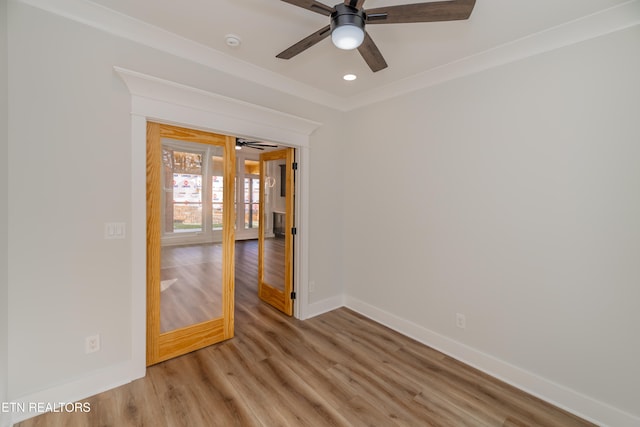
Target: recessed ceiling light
{"x": 232, "y": 40}
{"x": 349, "y": 77}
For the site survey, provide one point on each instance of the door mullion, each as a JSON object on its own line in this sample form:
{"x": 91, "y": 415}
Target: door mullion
{"x": 206, "y": 194}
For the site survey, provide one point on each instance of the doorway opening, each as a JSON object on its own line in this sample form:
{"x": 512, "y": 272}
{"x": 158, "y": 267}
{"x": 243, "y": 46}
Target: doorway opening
{"x": 198, "y": 197}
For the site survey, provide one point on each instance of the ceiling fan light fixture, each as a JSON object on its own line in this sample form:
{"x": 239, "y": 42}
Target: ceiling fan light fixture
{"x": 347, "y": 27}
{"x": 347, "y": 37}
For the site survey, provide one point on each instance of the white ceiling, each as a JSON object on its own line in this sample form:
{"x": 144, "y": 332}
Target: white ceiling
{"x": 267, "y": 27}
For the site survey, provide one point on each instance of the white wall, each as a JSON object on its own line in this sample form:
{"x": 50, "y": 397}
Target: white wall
{"x": 68, "y": 175}
{"x": 70, "y": 127}
{"x": 518, "y": 206}
{"x": 510, "y": 196}
{"x": 326, "y": 188}
{"x": 3, "y": 211}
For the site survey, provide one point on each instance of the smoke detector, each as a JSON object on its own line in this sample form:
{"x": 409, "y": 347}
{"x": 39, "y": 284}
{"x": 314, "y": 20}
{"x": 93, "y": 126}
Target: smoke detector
{"x": 232, "y": 40}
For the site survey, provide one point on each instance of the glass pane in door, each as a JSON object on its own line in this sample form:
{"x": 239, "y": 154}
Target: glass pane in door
{"x": 274, "y": 225}
{"x": 191, "y": 270}
{"x": 217, "y": 193}
{"x": 182, "y": 178}
{"x": 251, "y": 203}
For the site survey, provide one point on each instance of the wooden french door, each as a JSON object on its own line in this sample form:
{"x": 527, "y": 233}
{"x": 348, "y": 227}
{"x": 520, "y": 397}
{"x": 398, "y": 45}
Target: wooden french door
{"x": 190, "y": 194}
{"x": 276, "y": 229}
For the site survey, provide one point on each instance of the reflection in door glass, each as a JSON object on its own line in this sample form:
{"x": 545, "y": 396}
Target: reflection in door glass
{"x": 274, "y": 226}
{"x": 217, "y": 182}
{"x": 251, "y": 202}
{"x": 251, "y": 194}
{"x": 191, "y": 249}
{"x": 183, "y": 190}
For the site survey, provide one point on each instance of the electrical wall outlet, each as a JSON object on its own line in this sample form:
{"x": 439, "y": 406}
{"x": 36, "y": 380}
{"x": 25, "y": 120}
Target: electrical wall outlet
{"x": 461, "y": 321}
{"x": 92, "y": 343}
{"x": 312, "y": 286}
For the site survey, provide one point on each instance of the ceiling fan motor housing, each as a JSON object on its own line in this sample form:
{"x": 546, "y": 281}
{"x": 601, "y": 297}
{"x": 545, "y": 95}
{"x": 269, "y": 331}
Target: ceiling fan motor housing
{"x": 347, "y": 15}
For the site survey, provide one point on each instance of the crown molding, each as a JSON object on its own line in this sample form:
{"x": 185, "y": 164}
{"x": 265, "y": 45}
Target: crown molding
{"x": 121, "y": 25}
{"x": 238, "y": 117}
{"x": 604, "y": 22}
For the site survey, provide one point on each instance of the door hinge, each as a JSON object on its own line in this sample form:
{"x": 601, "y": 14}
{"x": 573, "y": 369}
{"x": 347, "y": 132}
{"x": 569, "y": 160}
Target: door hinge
{"x": 294, "y": 166}
{"x": 293, "y": 295}
{"x": 294, "y": 231}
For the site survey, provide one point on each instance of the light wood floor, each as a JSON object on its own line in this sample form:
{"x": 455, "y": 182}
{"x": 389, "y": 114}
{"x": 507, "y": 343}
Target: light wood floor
{"x": 195, "y": 293}
{"x": 195, "y": 276}
{"x": 337, "y": 369}
{"x": 274, "y": 256}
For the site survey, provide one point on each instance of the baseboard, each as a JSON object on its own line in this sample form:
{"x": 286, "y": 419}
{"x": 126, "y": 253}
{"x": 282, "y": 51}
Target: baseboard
{"x": 588, "y": 408}
{"x": 79, "y": 389}
{"x": 570, "y": 400}
{"x": 324, "y": 306}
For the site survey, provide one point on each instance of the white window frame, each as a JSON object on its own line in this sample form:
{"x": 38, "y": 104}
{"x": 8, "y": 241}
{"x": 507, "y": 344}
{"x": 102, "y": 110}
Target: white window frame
{"x": 241, "y": 232}
{"x": 206, "y": 233}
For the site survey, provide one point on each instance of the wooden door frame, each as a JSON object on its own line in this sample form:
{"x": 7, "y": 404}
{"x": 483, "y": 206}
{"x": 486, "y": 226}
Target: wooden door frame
{"x": 163, "y": 346}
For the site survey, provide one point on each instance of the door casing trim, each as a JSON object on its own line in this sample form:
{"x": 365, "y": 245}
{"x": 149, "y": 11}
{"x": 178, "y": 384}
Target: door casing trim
{"x": 168, "y": 102}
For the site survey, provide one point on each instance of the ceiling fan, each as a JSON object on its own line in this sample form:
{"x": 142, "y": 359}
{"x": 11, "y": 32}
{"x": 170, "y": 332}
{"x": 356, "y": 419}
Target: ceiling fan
{"x": 348, "y": 20}
{"x": 241, "y": 142}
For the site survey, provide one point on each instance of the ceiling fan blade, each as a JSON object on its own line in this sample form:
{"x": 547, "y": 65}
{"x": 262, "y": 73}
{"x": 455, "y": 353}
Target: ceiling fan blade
{"x": 260, "y": 144}
{"x": 247, "y": 143}
{"x": 421, "y": 12}
{"x": 312, "y": 5}
{"x": 371, "y": 54}
{"x": 305, "y": 43}
{"x": 354, "y": 3}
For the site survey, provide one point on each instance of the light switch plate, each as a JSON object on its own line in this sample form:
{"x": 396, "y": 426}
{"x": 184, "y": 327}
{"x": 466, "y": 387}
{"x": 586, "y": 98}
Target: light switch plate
{"x": 115, "y": 230}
